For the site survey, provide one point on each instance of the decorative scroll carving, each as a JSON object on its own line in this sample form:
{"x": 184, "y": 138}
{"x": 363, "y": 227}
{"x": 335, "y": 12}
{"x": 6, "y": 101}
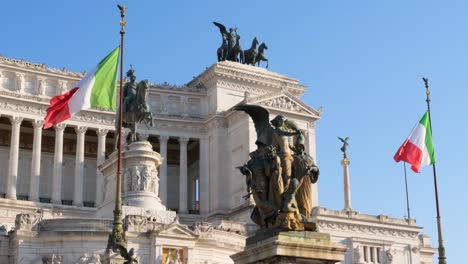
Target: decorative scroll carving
{"x": 136, "y": 223}
{"x": 27, "y": 222}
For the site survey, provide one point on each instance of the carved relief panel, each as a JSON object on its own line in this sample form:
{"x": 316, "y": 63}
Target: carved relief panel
{"x": 173, "y": 256}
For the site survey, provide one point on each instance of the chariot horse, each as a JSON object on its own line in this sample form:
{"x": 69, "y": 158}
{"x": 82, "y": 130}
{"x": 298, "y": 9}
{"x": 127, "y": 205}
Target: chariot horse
{"x": 250, "y": 55}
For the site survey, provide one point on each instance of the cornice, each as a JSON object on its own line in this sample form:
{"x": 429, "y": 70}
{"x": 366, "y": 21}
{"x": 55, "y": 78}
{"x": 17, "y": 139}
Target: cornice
{"x": 39, "y": 68}
{"x": 255, "y": 76}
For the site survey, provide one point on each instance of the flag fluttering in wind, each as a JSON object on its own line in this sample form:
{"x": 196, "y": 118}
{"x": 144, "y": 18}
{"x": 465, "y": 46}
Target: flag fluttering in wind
{"x": 418, "y": 149}
{"x": 96, "y": 89}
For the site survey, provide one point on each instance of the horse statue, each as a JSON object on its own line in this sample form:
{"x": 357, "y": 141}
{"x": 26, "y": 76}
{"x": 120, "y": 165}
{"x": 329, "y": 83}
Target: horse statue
{"x": 250, "y": 55}
{"x": 236, "y": 53}
{"x": 261, "y": 54}
{"x": 135, "y": 108}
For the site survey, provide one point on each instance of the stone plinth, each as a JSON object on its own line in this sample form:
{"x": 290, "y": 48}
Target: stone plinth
{"x": 140, "y": 181}
{"x": 112, "y": 258}
{"x": 287, "y": 247}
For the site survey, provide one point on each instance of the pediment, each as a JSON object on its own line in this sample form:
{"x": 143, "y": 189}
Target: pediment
{"x": 177, "y": 230}
{"x": 286, "y": 102}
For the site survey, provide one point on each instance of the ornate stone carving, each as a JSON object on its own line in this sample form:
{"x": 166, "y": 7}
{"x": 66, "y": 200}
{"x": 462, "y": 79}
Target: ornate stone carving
{"x": 27, "y": 222}
{"x": 324, "y": 226}
{"x": 16, "y": 120}
{"x": 284, "y": 103}
{"x": 389, "y": 255}
{"x": 81, "y": 129}
{"x": 141, "y": 178}
{"x": 92, "y": 258}
{"x": 19, "y": 84}
{"x": 37, "y": 123}
{"x": 60, "y": 127}
{"x": 136, "y": 223}
{"x": 41, "y": 86}
{"x": 102, "y": 132}
{"x": 202, "y": 227}
{"x": 54, "y": 259}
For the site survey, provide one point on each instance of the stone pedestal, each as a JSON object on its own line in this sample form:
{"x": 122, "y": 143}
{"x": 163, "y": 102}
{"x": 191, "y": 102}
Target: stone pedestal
{"x": 288, "y": 247}
{"x": 140, "y": 183}
{"x": 112, "y": 258}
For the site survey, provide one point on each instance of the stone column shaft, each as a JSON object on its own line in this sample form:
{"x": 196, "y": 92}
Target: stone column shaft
{"x": 79, "y": 166}
{"x": 347, "y": 189}
{"x": 36, "y": 161}
{"x": 101, "y": 156}
{"x": 204, "y": 187}
{"x": 58, "y": 163}
{"x": 163, "y": 169}
{"x": 183, "y": 190}
{"x": 14, "y": 155}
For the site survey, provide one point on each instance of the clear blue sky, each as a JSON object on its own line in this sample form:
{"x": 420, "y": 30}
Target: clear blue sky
{"x": 362, "y": 61}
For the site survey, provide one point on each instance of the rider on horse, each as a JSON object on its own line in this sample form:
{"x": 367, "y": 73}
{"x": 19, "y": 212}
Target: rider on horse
{"x": 129, "y": 91}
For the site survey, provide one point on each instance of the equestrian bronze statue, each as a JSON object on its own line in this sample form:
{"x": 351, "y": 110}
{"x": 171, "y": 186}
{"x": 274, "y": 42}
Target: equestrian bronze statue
{"x": 135, "y": 108}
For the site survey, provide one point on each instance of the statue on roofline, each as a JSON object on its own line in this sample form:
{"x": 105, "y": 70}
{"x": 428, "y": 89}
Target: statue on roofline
{"x": 231, "y": 48}
{"x": 279, "y": 176}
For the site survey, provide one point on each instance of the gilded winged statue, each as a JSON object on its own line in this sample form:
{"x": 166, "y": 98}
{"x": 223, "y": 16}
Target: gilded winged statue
{"x": 276, "y": 172}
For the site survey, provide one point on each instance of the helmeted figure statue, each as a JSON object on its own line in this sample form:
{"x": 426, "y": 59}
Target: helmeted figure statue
{"x": 134, "y": 106}
{"x": 129, "y": 90}
{"x": 278, "y": 175}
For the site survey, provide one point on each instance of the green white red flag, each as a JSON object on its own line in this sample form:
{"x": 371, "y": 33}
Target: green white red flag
{"x": 96, "y": 89}
{"x": 418, "y": 149}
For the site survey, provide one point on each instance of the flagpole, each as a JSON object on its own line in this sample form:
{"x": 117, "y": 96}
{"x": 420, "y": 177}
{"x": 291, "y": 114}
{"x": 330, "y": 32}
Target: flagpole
{"x": 407, "y": 195}
{"x": 442, "y": 258}
{"x": 117, "y": 239}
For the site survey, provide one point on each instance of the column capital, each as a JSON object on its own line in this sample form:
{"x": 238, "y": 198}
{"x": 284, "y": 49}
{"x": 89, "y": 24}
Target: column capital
{"x": 37, "y": 123}
{"x": 102, "y": 132}
{"x": 163, "y": 138}
{"x": 183, "y": 140}
{"x": 60, "y": 127}
{"x": 16, "y": 120}
{"x": 81, "y": 129}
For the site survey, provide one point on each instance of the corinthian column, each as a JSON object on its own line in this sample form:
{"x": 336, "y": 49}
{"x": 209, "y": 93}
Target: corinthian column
{"x": 183, "y": 191}
{"x": 163, "y": 169}
{"x": 347, "y": 189}
{"x": 58, "y": 163}
{"x": 36, "y": 161}
{"x": 101, "y": 156}
{"x": 79, "y": 164}
{"x": 14, "y": 151}
{"x": 204, "y": 186}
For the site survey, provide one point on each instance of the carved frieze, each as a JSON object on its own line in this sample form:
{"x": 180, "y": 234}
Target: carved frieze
{"x": 136, "y": 223}
{"x": 141, "y": 178}
{"x": 27, "y": 222}
{"x": 323, "y": 225}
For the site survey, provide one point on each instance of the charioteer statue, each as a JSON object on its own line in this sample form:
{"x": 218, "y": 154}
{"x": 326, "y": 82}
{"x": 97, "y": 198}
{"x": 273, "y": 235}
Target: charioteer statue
{"x": 231, "y": 48}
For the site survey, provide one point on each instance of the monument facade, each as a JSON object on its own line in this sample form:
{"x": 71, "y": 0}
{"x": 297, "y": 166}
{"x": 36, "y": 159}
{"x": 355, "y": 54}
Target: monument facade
{"x": 53, "y": 189}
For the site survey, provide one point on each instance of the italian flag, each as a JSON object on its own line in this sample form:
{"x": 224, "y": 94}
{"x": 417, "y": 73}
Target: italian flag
{"x": 96, "y": 89}
{"x": 418, "y": 149}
